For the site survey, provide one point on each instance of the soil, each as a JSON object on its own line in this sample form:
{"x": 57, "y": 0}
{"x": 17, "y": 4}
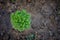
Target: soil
{"x": 45, "y": 20}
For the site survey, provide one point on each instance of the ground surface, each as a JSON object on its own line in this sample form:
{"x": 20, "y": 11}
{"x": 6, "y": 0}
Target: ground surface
{"x": 43, "y": 16}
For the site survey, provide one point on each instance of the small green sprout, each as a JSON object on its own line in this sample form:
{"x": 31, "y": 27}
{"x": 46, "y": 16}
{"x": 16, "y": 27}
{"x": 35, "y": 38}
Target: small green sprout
{"x": 30, "y": 37}
{"x": 20, "y": 20}
{"x": 12, "y": 1}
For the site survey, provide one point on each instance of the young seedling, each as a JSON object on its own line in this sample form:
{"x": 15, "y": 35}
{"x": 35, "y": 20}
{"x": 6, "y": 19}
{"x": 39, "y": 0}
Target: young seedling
{"x": 20, "y": 20}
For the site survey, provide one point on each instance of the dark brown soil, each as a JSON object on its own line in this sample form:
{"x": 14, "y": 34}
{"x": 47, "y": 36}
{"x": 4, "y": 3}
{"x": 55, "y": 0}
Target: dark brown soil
{"x": 43, "y": 15}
